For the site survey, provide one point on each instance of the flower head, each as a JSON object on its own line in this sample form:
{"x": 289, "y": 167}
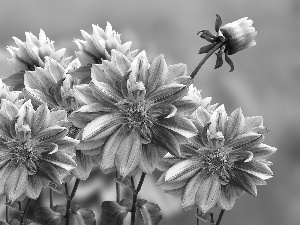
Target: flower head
{"x": 51, "y": 84}
{"x": 130, "y": 112}
{"x": 33, "y": 149}
{"x": 98, "y": 46}
{"x": 224, "y": 160}
{"x": 5, "y": 93}
{"x": 230, "y": 39}
{"x": 31, "y": 54}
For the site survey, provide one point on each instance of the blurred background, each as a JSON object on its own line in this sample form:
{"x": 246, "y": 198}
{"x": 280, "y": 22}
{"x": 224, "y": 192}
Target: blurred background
{"x": 265, "y": 82}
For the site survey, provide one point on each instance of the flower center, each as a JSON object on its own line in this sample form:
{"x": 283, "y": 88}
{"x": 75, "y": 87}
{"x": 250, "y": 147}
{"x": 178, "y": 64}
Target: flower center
{"x": 136, "y": 115}
{"x": 23, "y": 152}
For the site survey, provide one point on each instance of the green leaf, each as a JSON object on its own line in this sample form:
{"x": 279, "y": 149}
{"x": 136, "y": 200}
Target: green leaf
{"x": 83, "y": 216}
{"x": 150, "y": 212}
{"x": 47, "y": 216}
{"x": 113, "y": 213}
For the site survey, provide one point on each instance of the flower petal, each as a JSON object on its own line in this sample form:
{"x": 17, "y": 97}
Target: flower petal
{"x": 84, "y": 95}
{"x": 102, "y": 125}
{"x": 167, "y": 93}
{"x": 218, "y": 120}
{"x": 148, "y": 159}
{"x": 60, "y": 159}
{"x": 175, "y": 71}
{"x": 190, "y": 191}
{"x": 38, "y": 97}
{"x": 227, "y": 197}
{"x": 158, "y": 73}
{"x": 244, "y": 181}
{"x": 166, "y": 140}
{"x": 66, "y": 143}
{"x": 235, "y": 124}
{"x": 5, "y": 171}
{"x": 111, "y": 147}
{"x": 169, "y": 186}
{"x": 105, "y": 93}
{"x": 121, "y": 61}
{"x": 51, "y": 134}
{"x": 34, "y": 187}
{"x": 41, "y": 119}
{"x": 209, "y": 192}
{"x": 84, "y": 166}
{"x": 129, "y": 154}
{"x": 262, "y": 152}
{"x": 51, "y": 172}
{"x": 180, "y": 125}
{"x": 16, "y": 182}
{"x": 255, "y": 168}
{"x": 245, "y": 141}
{"x": 184, "y": 170}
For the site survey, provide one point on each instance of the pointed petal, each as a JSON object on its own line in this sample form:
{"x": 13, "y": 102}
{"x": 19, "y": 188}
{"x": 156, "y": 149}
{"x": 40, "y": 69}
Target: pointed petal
{"x": 38, "y": 97}
{"x": 190, "y": 191}
{"x": 256, "y": 168}
{"x": 101, "y": 125}
{"x": 245, "y": 141}
{"x": 83, "y": 94}
{"x": 15, "y": 80}
{"x": 104, "y": 92}
{"x": 235, "y": 124}
{"x": 51, "y": 172}
{"x": 186, "y": 106}
{"x": 66, "y": 143}
{"x": 227, "y": 197}
{"x": 34, "y": 187}
{"x": 208, "y": 192}
{"x": 262, "y": 152}
{"x": 184, "y": 170}
{"x": 60, "y": 159}
{"x": 16, "y": 182}
{"x": 5, "y": 171}
{"x": 149, "y": 158}
{"x": 41, "y": 119}
{"x": 51, "y": 134}
{"x": 111, "y": 147}
{"x": 57, "y": 116}
{"x": 121, "y": 61}
{"x": 129, "y": 153}
{"x": 229, "y": 61}
{"x": 218, "y": 120}
{"x": 167, "y": 93}
{"x": 166, "y": 140}
{"x": 218, "y": 23}
{"x": 139, "y": 68}
{"x": 84, "y": 166}
{"x": 244, "y": 181}
{"x": 82, "y": 72}
{"x": 180, "y": 125}
{"x": 169, "y": 186}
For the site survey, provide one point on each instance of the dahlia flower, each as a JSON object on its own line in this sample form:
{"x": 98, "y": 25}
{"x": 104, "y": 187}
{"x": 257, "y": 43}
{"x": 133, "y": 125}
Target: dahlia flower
{"x": 97, "y": 47}
{"x": 130, "y": 113}
{"x": 230, "y": 39}
{"x": 34, "y": 149}
{"x": 225, "y": 159}
{"x": 31, "y": 54}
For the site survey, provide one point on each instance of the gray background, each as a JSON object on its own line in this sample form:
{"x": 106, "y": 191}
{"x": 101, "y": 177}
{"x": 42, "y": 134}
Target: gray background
{"x": 265, "y": 82}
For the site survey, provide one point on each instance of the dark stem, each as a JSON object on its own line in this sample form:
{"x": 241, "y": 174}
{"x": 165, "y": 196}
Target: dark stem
{"x": 194, "y": 73}
{"x": 51, "y": 198}
{"x": 6, "y": 211}
{"x": 198, "y": 220}
{"x": 212, "y": 218}
{"x": 25, "y": 210}
{"x": 220, "y": 217}
{"x": 118, "y": 191}
{"x": 134, "y": 198}
{"x": 69, "y": 200}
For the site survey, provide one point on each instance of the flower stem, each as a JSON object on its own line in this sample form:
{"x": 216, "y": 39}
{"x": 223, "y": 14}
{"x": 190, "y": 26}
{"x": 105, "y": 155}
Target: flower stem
{"x": 118, "y": 192}
{"x": 51, "y": 198}
{"x": 212, "y": 218}
{"x": 69, "y": 199}
{"x": 134, "y": 198}
{"x": 6, "y": 211}
{"x": 220, "y": 217}
{"x": 25, "y": 210}
{"x": 194, "y": 73}
{"x": 198, "y": 220}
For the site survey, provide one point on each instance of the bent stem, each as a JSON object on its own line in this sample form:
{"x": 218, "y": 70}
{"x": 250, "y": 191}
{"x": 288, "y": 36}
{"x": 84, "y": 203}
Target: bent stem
{"x": 69, "y": 199}
{"x": 220, "y": 217}
{"x": 25, "y": 210}
{"x": 118, "y": 192}
{"x": 194, "y": 73}
{"x": 198, "y": 220}
{"x": 134, "y": 198}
